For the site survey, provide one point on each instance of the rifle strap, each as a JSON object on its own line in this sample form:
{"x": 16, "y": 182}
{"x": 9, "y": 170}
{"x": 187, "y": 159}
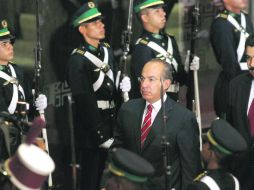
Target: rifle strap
{"x": 243, "y": 35}
{"x": 100, "y": 64}
{"x": 162, "y": 53}
{"x": 16, "y": 88}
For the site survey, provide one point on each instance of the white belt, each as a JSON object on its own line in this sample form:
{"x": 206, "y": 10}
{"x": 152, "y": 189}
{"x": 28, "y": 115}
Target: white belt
{"x": 173, "y": 88}
{"x": 244, "y": 66}
{"x": 104, "y": 104}
{"x": 210, "y": 182}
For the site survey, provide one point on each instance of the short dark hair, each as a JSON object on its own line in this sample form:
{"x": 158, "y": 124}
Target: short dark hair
{"x": 139, "y": 14}
{"x": 167, "y": 71}
{"x": 250, "y": 41}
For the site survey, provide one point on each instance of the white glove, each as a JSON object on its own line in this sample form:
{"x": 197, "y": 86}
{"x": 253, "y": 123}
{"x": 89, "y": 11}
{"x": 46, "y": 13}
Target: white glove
{"x": 187, "y": 62}
{"x": 194, "y": 66}
{"x": 107, "y": 143}
{"x": 125, "y": 84}
{"x": 118, "y": 75}
{"x": 41, "y": 102}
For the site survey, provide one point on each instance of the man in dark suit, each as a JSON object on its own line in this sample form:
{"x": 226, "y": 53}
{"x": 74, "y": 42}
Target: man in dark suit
{"x": 240, "y": 114}
{"x": 144, "y": 138}
{"x": 228, "y": 34}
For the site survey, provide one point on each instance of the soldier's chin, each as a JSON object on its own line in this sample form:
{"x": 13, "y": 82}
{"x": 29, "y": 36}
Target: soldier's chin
{"x": 11, "y": 58}
{"x": 251, "y": 68}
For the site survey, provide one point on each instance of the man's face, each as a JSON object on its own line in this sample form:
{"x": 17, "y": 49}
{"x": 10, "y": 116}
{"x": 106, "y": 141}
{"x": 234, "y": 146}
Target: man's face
{"x": 93, "y": 30}
{"x": 250, "y": 59}
{"x": 6, "y": 52}
{"x": 154, "y": 18}
{"x": 150, "y": 82}
{"x": 235, "y": 4}
{"x": 206, "y": 152}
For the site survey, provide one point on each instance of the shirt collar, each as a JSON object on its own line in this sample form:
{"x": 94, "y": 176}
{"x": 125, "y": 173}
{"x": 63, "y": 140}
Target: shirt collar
{"x": 159, "y": 36}
{"x": 157, "y": 105}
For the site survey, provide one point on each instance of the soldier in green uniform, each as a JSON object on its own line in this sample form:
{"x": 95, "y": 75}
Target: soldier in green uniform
{"x": 91, "y": 74}
{"x": 222, "y": 140}
{"x": 15, "y": 94}
{"x": 229, "y": 31}
{"x": 155, "y": 43}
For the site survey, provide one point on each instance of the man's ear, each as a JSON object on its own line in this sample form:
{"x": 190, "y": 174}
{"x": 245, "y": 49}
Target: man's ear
{"x": 166, "y": 84}
{"x": 143, "y": 18}
{"x": 81, "y": 29}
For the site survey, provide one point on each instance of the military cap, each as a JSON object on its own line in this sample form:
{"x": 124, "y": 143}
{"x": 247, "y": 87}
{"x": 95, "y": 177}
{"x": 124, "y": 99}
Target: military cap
{"x": 5, "y": 34}
{"x": 142, "y": 4}
{"x": 127, "y": 164}
{"x": 30, "y": 166}
{"x": 225, "y": 139}
{"x": 86, "y": 13}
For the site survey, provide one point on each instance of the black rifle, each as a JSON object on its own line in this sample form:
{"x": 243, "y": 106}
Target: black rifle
{"x": 74, "y": 164}
{"x": 37, "y": 82}
{"x": 126, "y": 40}
{"x": 193, "y": 102}
{"x": 165, "y": 144}
{"x": 195, "y": 22}
{"x": 37, "y": 54}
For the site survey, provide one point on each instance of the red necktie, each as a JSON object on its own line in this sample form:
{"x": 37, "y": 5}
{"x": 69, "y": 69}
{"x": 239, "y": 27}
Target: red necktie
{"x": 251, "y": 118}
{"x": 146, "y": 126}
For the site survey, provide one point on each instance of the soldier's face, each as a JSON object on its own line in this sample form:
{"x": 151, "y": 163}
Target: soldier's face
{"x": 150, "y": 82}
{"x": 93, "y": 30}
{"x": 250, "y": 59}
{"x": 6, "y": 52}
{"x": 206, "y": 152}
{"x": 154, "y": 19}
{"x": 235, "y": 5}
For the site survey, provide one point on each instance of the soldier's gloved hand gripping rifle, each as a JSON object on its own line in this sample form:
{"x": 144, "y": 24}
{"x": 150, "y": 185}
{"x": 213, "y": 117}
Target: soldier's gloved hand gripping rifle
{"x": 40, "y": 100}
{"x": 126, "y": 40}
{"x": 194, "y": 84}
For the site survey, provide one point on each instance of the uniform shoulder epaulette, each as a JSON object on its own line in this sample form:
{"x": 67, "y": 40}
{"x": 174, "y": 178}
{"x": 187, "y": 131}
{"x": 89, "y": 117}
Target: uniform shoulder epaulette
{"x": 245, "y": 12}
{"x": 200, "y": 176}
{"x": 169, "y": 34}
{"x": 222, "y": 15}
{"x": 78, "y": 51}
{"x": 12, "y": 63}
{"x": 106, "y": 44}
{"x": 142, "y": 41}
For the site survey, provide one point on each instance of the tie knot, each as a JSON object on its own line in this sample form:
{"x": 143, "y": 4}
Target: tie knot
{"x": 149, "y": 107}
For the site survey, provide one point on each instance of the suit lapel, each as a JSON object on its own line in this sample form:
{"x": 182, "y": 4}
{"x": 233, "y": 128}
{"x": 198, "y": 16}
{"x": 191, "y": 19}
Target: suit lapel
{"x": 157, "y": 125}
{"x": 246, "y": 86}
{"x": 137, "y": 128}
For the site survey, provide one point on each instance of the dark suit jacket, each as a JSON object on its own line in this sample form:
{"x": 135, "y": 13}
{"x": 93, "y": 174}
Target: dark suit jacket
{"x": 239, "y": 92}
{"x": 238, "y": 103}
{"x": 181, "y": 131}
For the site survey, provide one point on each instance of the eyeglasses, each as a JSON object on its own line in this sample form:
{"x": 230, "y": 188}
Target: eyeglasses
{"x": 150, "y": 79}
{"x": 249, "y": 58}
